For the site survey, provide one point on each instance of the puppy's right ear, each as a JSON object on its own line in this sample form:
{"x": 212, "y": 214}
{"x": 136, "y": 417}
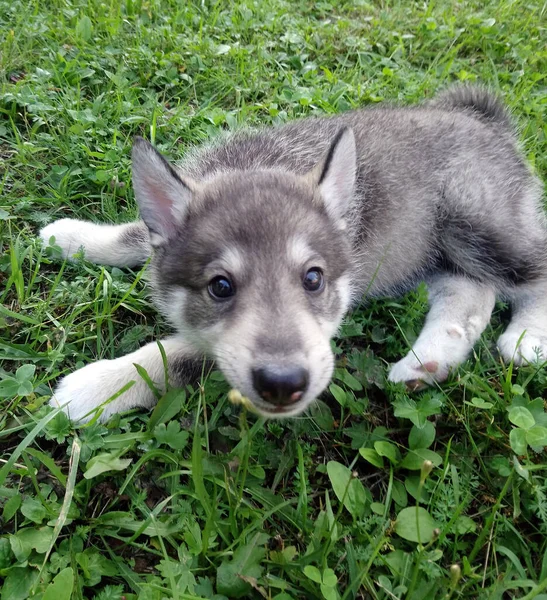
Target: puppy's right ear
{"x": 161, "y": 193}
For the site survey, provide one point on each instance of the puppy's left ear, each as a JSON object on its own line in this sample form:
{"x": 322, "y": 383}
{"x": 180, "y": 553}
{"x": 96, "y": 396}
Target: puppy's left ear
{"x": 335, "y": 175}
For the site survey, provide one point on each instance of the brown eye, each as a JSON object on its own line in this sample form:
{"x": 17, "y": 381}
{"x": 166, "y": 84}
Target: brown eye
{"x": 221, "y": 288}
{"x": 313, "y": 280}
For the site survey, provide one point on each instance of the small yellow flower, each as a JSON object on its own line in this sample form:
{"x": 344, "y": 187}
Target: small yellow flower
{"x": 236, "y": 397}
{"x": 455, "y": 575}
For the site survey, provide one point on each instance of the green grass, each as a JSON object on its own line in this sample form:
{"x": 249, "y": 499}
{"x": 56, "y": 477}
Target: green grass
{"x": 198, "y": 501}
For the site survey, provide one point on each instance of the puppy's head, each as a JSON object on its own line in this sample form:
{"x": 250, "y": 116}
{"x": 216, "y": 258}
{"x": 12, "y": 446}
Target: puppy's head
{"x": 253, "y": 268}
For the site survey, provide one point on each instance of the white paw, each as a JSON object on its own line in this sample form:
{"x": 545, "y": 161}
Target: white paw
{"x": 70, "y": 235}
{"x": 85, "y": 390}
{"x": 417, "y": 373}
{"x": 433, "y": 356}
{"x": 124, "y": 245}
{"x": 522, "y": 349}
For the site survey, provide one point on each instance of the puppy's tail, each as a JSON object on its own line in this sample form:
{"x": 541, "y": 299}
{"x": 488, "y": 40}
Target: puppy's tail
{"x": 477, "y": 101}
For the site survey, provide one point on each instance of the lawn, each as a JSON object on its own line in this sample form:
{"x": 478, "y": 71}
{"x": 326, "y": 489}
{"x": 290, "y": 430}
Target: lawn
{"x": 376, "y": 493}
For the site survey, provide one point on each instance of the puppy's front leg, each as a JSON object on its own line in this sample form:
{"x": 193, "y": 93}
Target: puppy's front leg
{"x": 86, "y": 389}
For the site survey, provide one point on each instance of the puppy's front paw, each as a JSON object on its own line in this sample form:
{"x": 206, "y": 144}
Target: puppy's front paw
{"x": 85, "y": 390}
{"x": 69, "y": 234}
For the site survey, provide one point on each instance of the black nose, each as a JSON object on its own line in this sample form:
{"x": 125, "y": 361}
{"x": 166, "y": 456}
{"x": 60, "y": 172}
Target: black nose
{"x": 280, "y": 386}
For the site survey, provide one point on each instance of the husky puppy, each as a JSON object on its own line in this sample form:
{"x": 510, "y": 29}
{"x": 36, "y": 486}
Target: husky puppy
{"x": 261, "y": 242}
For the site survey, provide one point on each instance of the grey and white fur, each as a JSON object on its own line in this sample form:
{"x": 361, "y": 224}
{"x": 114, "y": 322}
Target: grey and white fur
{"x": 262, "y": 242}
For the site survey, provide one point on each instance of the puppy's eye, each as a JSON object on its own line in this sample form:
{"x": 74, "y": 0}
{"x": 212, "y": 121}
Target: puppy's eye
{"x": 313, "y": 280}
{"x": 221, "y": 288}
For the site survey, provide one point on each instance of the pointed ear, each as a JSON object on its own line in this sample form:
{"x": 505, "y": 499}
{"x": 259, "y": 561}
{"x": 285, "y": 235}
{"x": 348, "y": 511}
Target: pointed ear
{"x": 161, "y": 194}
{"x": 335, "y": 175}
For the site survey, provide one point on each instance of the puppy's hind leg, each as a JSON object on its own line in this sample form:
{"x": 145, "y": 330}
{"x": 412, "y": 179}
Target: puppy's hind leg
{"x": 460, "y": 311}
{"x": 525, "y": 339}
{"x": 126, "y": 245}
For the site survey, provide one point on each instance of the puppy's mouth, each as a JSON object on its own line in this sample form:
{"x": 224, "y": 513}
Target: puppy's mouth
{"x": 266, "y": 410}
{"x": 278, "y": 410}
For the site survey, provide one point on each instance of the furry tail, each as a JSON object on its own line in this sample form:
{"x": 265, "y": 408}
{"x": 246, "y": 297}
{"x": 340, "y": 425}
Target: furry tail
{"x": 481, "y": 103}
